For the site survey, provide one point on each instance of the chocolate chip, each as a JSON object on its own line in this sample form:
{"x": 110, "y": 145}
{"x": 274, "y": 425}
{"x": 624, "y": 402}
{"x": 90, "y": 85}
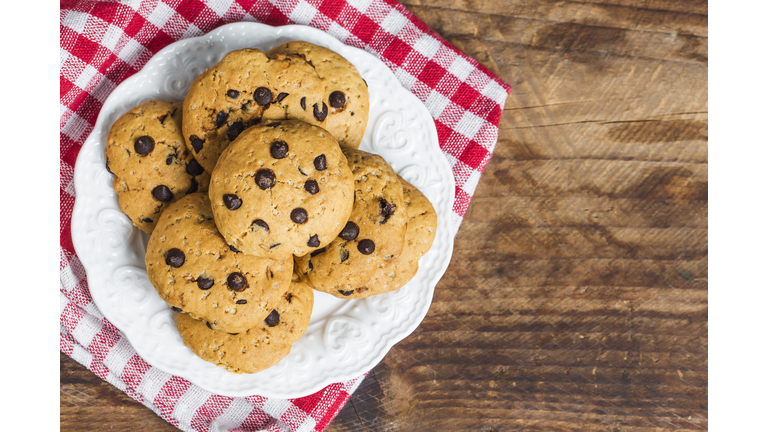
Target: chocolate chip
{"x": 221, "y": 118}
{"x": 234, "y": 249}
{"x": 313, "y": 241}
{"x": 170, "y": 158}
{"x": 204, "y": 283}
{"x": 344, "y": 255}
{"x": 162, "y": 193}
{"x": 347, "y": 293}
{"x": 265, "y": 178}
{"x": 274, "y": 245}
{"x": 232, "y": 201}
{"x": 311, "y": 186}
{"x": 233, "y": 93}
{"x": 317, "y": 252}
{"x": 109, "y": 170}
{"x": 175, "y": 258}
{"x": 303, "y": 103}
{"x": 350, "y": 231}
{"x": 209, "y": 325}
{"x": 241, "y": 301}
{"x": 320, "y": 163}
{"x": 235, "y": 130}
{"x": 273, "y": 319}
{"x": 176, "y": 309}
{"x": 263, "y": 96}
{"x": 320, "y": 113}
{"x": 299, "y": 215}
{"x": 194, "y": 168}
{"x": 261, "y": 223}
{"x": 366, "y": 247}
{"x": 144, "y": 145}
{"x": 337, "y": 99}
{"x": 145, "y": 220}
{"x": 196, "y": 142}
{"x": 288, "y": 297}
{"x": 387, "y": 210}
{"x": 280, "y": 97}
{"x": 237, "y": 282}
{"x": 162, "y": 118}
{"x": 193, "y": 186}
{"x": 279, "y": 149}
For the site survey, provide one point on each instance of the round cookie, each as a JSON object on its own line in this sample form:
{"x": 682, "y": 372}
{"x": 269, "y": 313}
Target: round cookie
{"x": 374, "y": 233}
{"x": 280, "y": 189}
{"x": 193, "y": 269}
{"x": 346, "y": 92}
{"x": 422, "y": 226}
{"x": 243, "y": 89}
{"x": 257, "y": 348}
{"x": 152, "y": 166}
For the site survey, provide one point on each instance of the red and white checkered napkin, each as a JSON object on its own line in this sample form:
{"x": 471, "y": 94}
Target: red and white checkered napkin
{"x": 102, "y": 43}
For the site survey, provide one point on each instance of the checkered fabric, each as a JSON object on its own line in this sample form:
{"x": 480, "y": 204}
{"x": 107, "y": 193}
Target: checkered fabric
{"x": 104, "y": 42}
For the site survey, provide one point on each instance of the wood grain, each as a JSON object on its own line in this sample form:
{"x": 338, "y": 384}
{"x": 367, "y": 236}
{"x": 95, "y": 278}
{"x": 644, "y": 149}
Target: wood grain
{"x": 88, "y": 403}
{"x": 576, "y": 299}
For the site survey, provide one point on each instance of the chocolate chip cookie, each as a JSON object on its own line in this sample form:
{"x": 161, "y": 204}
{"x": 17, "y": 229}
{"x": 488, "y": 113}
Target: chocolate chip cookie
{"x": 195, "y": 270}
{"x": 245, "y": 88}
{"x": 281, "y": 188}
{"x": 344, "y": 110}
{"x": 257, "y": 348}
{"x": 393, "y": 274}
{"x": 152, "y": 166}
{"x": 373, "y": 234}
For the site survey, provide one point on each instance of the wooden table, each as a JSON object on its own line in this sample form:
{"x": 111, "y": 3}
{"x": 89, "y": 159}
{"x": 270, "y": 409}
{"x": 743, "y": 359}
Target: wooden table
{"x": 576, "y": 299}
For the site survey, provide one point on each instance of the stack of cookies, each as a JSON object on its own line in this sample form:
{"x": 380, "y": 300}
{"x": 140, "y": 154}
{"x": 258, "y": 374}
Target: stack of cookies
{"x": 255, "y": 193}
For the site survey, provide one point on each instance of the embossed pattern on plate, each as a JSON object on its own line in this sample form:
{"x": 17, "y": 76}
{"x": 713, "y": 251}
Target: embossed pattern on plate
{"x": 345, "y": 338}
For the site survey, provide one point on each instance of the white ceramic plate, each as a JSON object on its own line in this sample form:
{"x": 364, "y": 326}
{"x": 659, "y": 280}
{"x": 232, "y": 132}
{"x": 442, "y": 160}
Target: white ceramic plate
{"x": 345, "y": 338}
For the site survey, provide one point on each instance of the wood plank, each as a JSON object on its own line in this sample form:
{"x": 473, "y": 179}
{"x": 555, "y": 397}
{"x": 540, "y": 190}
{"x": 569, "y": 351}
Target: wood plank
{"x": 88, "y": 403}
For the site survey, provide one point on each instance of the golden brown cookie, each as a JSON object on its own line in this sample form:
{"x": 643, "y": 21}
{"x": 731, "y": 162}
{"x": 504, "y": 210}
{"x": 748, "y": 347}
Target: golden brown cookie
{"x": 257, "y": 348}
{"x": 374, "y": 233}
{"x": 243, "y": 89}
{"x": 344, "y": 112}
{"x": 422, "y": 226}
{"x": 194, "y": 270}
{"x": 280, "y": 189}
{"x": 152, "y": 166}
